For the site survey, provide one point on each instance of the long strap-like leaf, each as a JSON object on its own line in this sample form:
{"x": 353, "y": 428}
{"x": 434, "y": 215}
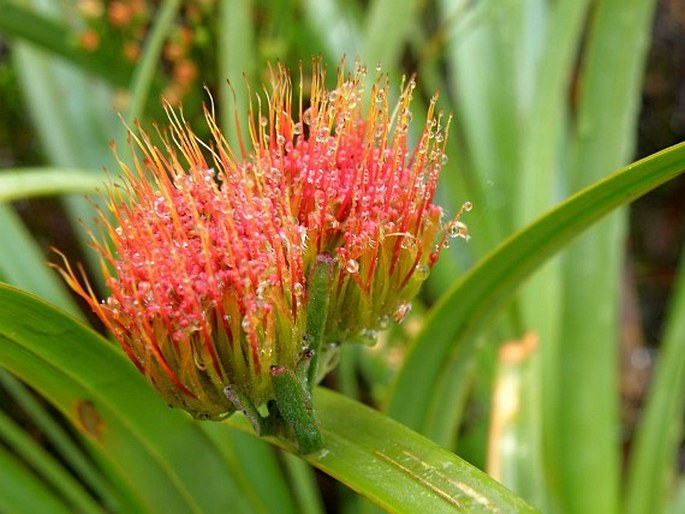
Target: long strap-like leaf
{"x": 443, "y": 350}
{"x": 93, "y": 384}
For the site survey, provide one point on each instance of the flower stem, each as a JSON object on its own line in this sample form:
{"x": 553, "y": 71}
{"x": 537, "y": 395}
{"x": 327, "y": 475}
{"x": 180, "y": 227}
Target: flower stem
{"x": 294, "y": 402}
{"x": 317, "y": 310}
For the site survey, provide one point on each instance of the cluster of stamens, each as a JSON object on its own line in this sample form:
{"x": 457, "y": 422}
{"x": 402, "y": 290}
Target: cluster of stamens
{"x": 208, "y": 253}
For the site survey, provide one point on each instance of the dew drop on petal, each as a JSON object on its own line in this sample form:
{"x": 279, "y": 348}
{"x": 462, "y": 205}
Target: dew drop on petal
{"x": 368, "y": 336}
{"x": 422, "y": 271}
{"x": 352, "y": 266}
{"x": 298, "y": 289}
{"x": 383, "y": 322}
{"x": 401, "y": 312}
{"x": 458, "y": 229}
{"x": 468, "y": 206}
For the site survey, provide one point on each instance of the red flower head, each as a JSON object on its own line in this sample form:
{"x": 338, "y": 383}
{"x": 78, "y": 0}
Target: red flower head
{"x": 208, "y": 256}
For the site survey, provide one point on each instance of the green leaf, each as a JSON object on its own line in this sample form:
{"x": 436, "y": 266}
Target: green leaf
{"x": 144, "y": 72}
{"x": 236, "y": 60}
{"x": 388, "y": 23}
{"x": 74, "y": 456}
{"x": 164, "y": 456}
{"x": 394, "y": 467}
{"x": 659, "y": 433}
{"x": 95, "y": 386}
{"x": 586, "y": 449}
{"x": 22, "y": 263}
{"x": 22, "y": 492}
{"x": 19, "y": 183}
{"x": 425, "y": 388}
{"x": 304, "y": 485}
{"x": 22, "y": 23}
{"x": 57, "y": 476}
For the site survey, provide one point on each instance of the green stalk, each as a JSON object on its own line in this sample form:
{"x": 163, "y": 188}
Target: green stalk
{"x": 387, "y": 25}
{"x": 144, "y": 72}
{"x": 587, "y": 445}
{"x": 20, "y": 183}
{"x": 236, "y": 58}
{"x": 543, "y": 143}
{"x": 654, "y": 457}
{"x": 318, "y": 292}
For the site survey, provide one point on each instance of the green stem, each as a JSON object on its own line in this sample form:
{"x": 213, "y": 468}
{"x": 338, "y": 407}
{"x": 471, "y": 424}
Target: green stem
{"x": 317, "y": 310}
{"x": 145, "y": 70}
{"x": 19, "y": 183}
{"x": 242, "y": 403}
{"x": 294, "y": 403}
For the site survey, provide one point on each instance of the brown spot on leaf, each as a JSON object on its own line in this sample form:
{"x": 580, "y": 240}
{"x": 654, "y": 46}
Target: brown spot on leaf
{"x": 89, "y": 420}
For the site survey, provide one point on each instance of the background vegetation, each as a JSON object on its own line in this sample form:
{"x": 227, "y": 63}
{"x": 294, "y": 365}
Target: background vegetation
{"x": 568, "y": 390}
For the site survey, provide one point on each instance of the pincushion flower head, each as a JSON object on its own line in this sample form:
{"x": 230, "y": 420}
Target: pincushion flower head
{"x": 230, "y": 269}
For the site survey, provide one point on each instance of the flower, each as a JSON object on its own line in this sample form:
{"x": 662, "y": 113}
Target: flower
{"x": 208, "y": 255}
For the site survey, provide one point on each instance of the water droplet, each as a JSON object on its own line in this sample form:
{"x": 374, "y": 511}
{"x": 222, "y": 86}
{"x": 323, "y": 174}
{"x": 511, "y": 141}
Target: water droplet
{"x": 368, "y": 336}
{"x": 161, "y": 209}
{"x": 401, "y": 312}
{"x": 458, "y": 229}
{"x": 352, "y": 266}
{"x": 333, "y": 96}
{"x": 468, "y": 206}
{"x": 444, "y": 159}
{"x": 298, "y": 289}
{"x": 261, "y": 288}
{"x": 422, "y": 271}
{"x": 280, "y": 139}
{"x": 408, "y": 242}
{"x": 297, "y": 128}
{"x": 379, "y": 67}
{"x": 246, "y": 323}
{"x": 263, "y": 121}
{"x": 383, "y": 322}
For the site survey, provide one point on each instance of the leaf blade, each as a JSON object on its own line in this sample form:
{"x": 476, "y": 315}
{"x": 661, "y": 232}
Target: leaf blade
{"x": 453, "y": 323}
{"x": 96, "y": 387}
